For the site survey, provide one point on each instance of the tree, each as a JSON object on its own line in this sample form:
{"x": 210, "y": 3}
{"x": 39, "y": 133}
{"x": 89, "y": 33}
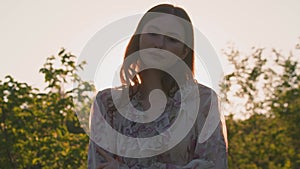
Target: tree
{"x": 268, "y": 87}
{"x": 40, "y": 129}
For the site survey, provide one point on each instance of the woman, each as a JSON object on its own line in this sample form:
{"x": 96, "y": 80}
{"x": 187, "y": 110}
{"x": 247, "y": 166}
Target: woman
{"x": 162, "y": 42}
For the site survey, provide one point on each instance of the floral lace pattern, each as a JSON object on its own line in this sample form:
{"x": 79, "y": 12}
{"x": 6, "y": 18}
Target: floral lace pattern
{"x": 189, "y": 153}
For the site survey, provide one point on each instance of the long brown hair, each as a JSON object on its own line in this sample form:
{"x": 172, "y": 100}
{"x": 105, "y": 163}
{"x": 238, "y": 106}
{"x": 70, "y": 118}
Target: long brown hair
{"x": 167, "y": 81}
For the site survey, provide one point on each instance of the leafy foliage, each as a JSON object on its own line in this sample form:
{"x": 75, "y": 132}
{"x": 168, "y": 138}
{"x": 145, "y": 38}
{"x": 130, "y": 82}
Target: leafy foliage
{"x": 269, "y": 89}
{"x": 40, "y": 129}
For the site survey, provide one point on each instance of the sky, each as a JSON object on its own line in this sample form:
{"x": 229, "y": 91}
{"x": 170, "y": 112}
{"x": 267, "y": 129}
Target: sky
{"x": 31, "y": 30}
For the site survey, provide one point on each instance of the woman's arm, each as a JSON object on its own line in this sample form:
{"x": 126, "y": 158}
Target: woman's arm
{"x": 211, "y": 153}
{"x": 100, "y": 159}
{"x": 93, "y": 158}
{"x": 210, "y": 138}
{"x": 211, "y": 131}
{"x": 214, "y": 149}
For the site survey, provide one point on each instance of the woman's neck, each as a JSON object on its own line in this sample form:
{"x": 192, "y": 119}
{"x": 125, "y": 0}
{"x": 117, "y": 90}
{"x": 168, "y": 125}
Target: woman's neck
{"x": 151, "y": 79}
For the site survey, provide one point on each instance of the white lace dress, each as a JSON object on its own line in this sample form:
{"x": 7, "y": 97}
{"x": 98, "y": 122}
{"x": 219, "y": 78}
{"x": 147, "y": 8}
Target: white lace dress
{"x": 202, "y": 146}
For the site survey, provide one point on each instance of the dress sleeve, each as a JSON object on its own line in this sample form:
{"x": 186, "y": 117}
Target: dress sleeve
{"x": 214, "y": 149}
{"x": 97, "y": 132}
{"x": 212, "y": 135}
{"x": 95, "y": 159}
{"x": 210, "y": 154}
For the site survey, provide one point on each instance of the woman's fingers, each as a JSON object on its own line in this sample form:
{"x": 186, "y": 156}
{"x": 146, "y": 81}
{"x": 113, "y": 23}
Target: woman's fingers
{"x": 109, "y": 165}
{"x": 104, "y": 154}
{"x": 111, "y": 162}
{"x": 198, "y": 163}
{"x": 102, "y": 165}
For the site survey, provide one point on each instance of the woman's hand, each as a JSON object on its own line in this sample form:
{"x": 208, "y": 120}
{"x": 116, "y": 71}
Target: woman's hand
{"x": 198, "y": 163}
{"x": 111, "y": 162}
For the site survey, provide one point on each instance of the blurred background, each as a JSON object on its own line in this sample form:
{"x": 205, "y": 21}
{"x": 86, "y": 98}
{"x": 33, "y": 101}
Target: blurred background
{"x": 257, "y": 43}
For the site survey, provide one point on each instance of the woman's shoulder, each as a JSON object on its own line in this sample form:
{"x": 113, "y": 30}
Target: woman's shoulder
{"x": 108, "y": 92}
{"x": 205, "y": 90}
{"x": 103, "y": 94}
{"x": 108, "y": 96}
{"x": 208, "y": 98}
